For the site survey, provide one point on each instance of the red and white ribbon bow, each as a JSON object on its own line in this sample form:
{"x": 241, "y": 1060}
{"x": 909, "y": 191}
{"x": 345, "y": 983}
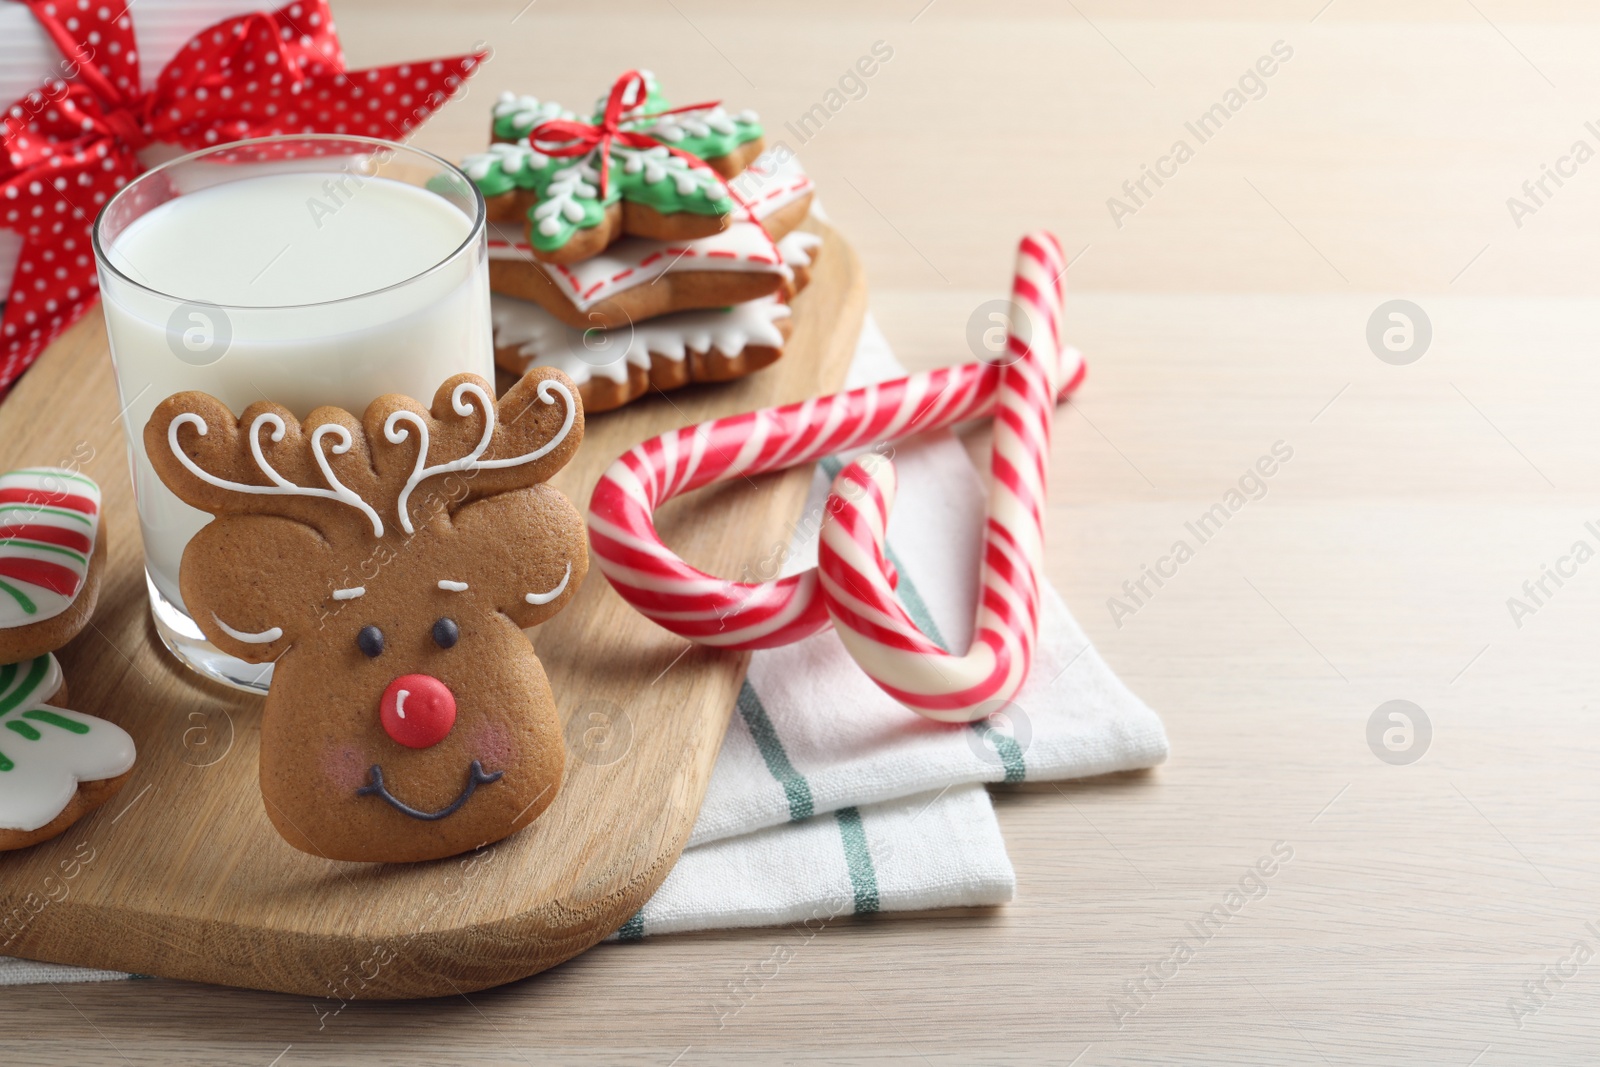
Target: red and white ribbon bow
{"x": 68, "y": 146}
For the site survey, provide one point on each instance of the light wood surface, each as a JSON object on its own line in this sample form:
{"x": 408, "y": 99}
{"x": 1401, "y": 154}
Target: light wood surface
{"x": 1227, "y": 314}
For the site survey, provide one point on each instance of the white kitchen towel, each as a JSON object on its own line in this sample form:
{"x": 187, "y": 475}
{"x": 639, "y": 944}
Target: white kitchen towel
{"x": 917, "y": 853}
{"x": 941, "y": 850}
{"x": 830, "y": 799}
{"x": 27, "y": 972}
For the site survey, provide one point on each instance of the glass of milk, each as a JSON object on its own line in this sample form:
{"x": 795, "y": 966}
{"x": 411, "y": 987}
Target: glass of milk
{"x": 304, "y": 269}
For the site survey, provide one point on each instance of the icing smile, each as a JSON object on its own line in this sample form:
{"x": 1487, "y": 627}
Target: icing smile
{"x": 475, "y": 778}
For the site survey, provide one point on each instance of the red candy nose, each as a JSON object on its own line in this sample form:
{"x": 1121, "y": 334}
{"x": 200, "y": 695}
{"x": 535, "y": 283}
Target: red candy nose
{"x": 417, "y": 710}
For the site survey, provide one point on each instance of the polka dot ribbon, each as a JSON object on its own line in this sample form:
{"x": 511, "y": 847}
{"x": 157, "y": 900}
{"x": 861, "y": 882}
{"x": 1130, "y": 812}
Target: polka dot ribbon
{"x": 68, "y": 146}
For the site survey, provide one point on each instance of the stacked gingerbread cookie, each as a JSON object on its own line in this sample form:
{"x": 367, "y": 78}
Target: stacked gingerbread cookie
{"x": 56, "y": 766}
{"x": 645, "y": 247}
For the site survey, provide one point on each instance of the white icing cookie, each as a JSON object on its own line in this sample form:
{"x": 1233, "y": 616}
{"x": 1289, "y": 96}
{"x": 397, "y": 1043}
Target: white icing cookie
{"x": 773, "y": 181}
{"x": 798, "y": 248}
{"x": 635, "y": 261}
{"x": 46, "y": 751}
{"x": 587, "y": 354}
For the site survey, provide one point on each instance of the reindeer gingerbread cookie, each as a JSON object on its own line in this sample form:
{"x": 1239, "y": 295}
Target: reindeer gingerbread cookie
{"x": 387, "y": 566}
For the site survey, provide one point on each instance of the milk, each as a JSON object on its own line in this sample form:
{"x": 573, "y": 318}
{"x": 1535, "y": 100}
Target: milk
{"x": 333, "y": 289}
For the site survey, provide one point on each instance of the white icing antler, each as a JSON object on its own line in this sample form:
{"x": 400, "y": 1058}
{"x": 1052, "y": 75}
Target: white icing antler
{"x": 280, "y": 486}
{"x": 394, "y": 433}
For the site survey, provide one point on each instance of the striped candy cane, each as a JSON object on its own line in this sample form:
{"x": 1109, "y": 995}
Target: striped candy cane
{"x": 743, "y": 615}
{"x": 858, "y": 582}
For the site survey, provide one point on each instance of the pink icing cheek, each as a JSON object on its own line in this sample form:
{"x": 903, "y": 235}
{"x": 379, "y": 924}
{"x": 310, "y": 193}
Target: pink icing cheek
{"x": 493, "y": 745}
{"x": 345, "y": 768}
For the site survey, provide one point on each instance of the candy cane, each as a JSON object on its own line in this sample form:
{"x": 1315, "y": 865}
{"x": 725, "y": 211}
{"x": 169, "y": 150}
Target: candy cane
{"x": 858, "y": 582}
{"x": 740, "y": 615}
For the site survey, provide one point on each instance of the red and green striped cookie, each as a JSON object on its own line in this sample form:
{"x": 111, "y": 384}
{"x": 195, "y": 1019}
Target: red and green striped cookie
{"x": 51, "y": 548}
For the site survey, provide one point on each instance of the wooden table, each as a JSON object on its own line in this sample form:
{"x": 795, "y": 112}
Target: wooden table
{"x": 1227, "y": 312}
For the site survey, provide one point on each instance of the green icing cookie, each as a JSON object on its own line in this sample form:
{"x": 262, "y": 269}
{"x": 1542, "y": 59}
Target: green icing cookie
{"x": 707, "y": 134}
{"x": 568, "y": 188}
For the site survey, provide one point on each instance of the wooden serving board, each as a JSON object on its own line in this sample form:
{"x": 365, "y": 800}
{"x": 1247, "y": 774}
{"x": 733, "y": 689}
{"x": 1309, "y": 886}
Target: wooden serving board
{"x": 182, "y": 875}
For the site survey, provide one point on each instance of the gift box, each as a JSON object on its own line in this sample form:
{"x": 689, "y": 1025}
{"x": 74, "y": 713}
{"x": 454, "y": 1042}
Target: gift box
{"x": 94, "y": 96}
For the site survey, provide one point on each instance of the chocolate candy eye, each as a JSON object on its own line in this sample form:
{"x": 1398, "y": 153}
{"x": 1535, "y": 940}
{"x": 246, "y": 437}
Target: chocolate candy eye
{"x": 446, "y": 633}
{"x": 370, "y": 641}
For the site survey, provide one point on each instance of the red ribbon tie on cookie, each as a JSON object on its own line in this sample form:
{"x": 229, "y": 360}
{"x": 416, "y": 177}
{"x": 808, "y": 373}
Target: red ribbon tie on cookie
{"x": 569, "y": 137}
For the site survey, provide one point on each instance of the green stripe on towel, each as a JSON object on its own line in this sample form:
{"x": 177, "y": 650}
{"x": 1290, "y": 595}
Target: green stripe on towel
{"x": 633, "y": 929}
{"x": 915, "y": 606}
{"x": 858, "y": 858}
{"x": 1004, "y": 744}
{"x": 795, "y": 786}
{"x": 1006, "y": 747}
{"x": 904, "y": 587}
